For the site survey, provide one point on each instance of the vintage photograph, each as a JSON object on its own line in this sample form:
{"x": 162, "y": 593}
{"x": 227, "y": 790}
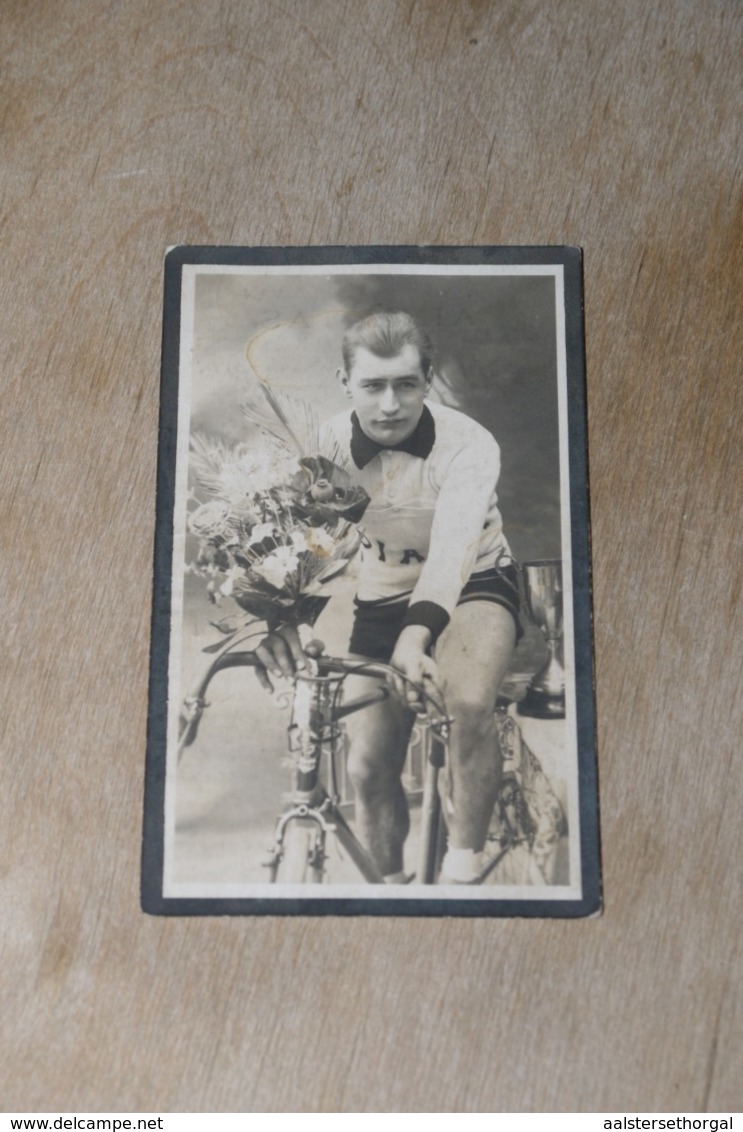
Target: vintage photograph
{"x": 371, "y": 686}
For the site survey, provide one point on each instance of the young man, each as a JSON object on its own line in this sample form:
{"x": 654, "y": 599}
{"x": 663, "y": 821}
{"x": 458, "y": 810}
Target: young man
{"x": 437, "y": 596}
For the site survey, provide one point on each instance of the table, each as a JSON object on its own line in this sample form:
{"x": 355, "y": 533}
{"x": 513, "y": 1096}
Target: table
{"x": 129, "y": 128}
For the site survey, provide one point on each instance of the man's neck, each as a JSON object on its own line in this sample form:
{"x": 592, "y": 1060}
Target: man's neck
{"x": 418, "y": 443}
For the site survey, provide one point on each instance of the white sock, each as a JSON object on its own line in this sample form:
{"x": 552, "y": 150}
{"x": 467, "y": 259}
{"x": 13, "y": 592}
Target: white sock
{"x": 461, "y": 864}
{"x": 396, "y": 878}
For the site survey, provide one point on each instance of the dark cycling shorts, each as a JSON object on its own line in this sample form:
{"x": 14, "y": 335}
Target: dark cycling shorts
{"x": 377, "y": 624}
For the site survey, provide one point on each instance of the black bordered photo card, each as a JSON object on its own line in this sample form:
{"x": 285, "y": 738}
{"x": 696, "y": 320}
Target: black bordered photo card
{"x": 371, "y": 685}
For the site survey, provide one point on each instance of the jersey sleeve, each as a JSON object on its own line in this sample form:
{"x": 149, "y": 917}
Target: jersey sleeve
{"x": 466, "y": 493}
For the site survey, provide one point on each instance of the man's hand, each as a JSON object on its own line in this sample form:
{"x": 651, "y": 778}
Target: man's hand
{"x": 281, "y": 654}
{"x": 411, "y": 660}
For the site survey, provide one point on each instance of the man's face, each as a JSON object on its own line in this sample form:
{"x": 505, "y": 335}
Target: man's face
{"x": 387, "y": 393}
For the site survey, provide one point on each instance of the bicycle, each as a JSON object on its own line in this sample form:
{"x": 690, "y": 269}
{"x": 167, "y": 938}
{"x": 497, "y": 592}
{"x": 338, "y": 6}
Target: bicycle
{"x": 298, "y": 853}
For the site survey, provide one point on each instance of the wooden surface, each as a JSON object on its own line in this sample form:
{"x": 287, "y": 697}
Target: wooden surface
{"x": 131, "y": 127}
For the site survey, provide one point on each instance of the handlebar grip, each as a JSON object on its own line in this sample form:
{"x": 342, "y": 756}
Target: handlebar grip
{"x": 187, "y": 729}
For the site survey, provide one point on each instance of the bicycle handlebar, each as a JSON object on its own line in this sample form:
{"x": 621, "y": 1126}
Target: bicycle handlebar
{"x": 247, "y": 659}
{"x": 325, "y": 664}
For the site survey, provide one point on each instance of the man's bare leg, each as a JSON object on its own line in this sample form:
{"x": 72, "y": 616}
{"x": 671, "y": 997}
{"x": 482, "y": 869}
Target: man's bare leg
{"x": 473, "y": 654}
{"x": 379, "y": 737}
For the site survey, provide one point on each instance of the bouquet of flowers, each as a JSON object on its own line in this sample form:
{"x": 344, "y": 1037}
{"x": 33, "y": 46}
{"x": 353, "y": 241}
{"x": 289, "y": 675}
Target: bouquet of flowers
{"x": 274, "y": 521}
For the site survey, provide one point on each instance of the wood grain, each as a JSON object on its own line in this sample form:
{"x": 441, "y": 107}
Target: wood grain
{"x": 131, "y": 127}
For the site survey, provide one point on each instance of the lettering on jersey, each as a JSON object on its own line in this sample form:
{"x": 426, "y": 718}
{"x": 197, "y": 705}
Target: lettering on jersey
{"x": 406, "y": 556}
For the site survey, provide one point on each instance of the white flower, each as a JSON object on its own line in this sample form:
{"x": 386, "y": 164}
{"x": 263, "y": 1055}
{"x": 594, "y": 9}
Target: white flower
{"x": 236, "y": 479}
{"x": 231, "y": 577}
{"x": 319, "y": 541}
{"x": 233, "y": 473}
{"x": 263, "y": 468}
{"x": 210, "y": 519}
{"x": 261, "y": 531}
{"x": 277, "y": 567}
{"x": 299, "y": 542}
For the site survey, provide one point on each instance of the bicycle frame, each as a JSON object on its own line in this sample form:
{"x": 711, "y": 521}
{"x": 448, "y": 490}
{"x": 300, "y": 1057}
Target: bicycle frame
{"x": 313, "y": 729}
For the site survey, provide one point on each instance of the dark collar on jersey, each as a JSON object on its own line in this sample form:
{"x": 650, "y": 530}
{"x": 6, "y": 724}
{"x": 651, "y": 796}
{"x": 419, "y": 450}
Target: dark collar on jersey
{"x": 419, "y": 443}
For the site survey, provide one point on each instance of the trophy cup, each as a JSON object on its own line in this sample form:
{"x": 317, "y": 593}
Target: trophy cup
{"x": 545, "y": 695}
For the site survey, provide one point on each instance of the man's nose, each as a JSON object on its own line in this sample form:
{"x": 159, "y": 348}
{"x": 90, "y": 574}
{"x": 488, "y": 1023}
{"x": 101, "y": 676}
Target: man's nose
{"x": 389, "y": 403}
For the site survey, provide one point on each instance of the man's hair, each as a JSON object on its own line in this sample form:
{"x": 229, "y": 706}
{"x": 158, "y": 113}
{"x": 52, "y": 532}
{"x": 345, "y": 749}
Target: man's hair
{"x": 386, "y": 334}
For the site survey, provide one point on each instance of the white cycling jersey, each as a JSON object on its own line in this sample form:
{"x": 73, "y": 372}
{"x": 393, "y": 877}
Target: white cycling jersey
{"x": 433, "y": 516}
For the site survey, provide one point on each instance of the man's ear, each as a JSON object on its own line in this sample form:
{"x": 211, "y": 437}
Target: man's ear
{"x": 429, "y": 378}
{"x": 342, "y": 378}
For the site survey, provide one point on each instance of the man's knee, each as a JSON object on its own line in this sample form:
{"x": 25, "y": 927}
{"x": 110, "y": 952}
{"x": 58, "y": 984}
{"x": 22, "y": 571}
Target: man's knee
{"x": 378, "y": 743}
{"x": 473, "y": 716}
{"x": 372, "y": 775}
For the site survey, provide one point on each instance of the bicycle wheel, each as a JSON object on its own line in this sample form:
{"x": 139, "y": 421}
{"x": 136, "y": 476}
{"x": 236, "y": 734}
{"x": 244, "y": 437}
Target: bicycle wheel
{"x": 302, "y": 855}
{"x": 510, "y": 839}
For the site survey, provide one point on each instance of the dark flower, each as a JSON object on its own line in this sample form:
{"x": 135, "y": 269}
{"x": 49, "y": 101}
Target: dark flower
{"x": 327, "y": 492}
